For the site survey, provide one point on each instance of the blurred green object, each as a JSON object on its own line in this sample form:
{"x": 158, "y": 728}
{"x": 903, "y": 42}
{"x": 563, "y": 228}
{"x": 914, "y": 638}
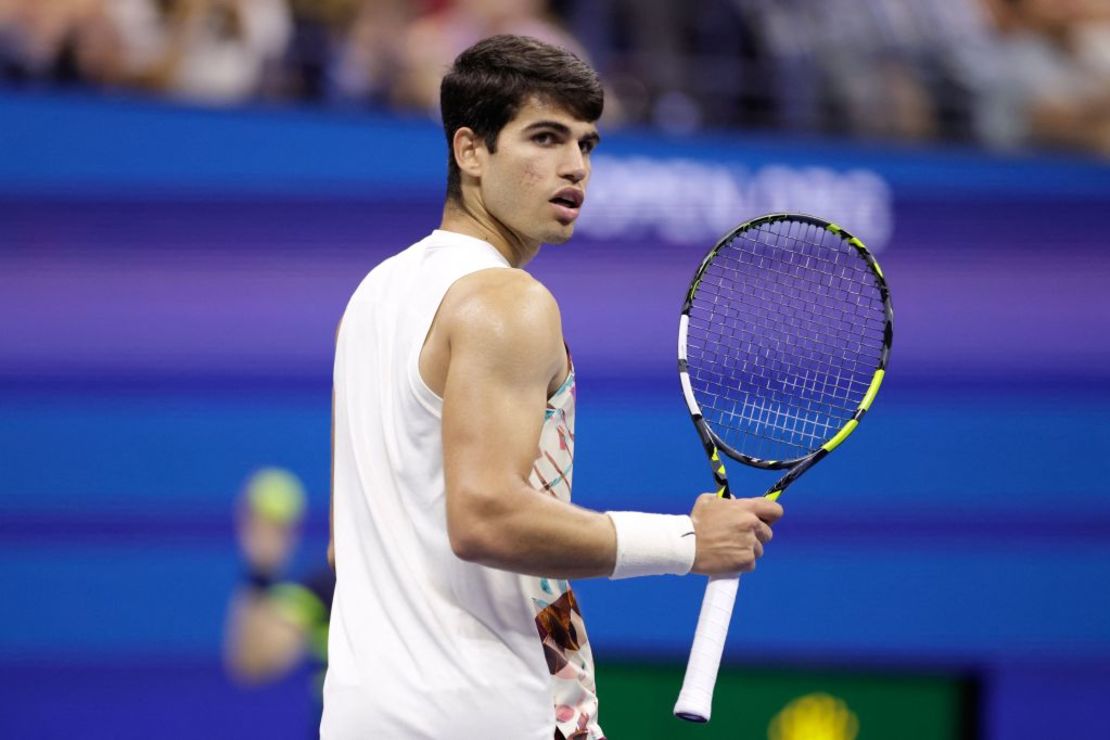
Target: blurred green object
{"x": 791, "y": 704}
{"x": 276, "y": 494}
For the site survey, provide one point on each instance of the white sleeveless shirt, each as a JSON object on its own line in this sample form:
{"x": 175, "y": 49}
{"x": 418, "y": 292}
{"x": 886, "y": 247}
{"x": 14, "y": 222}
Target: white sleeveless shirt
{"x": 423, "y": 644}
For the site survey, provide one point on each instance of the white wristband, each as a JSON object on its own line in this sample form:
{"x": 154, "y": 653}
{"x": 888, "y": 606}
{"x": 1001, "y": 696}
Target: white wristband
{"x": 653, "y": 544}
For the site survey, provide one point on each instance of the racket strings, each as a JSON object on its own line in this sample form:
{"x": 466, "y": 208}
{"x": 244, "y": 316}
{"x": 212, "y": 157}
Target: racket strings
{"x": 786, "y": 329}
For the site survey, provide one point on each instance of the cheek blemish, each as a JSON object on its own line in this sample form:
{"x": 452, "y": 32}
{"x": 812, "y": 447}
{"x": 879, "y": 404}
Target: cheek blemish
{"x": 531, "y": 174}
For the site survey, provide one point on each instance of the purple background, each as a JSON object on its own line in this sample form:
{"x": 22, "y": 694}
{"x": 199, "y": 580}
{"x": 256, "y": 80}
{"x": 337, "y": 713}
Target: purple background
{"x": 100, "y": 289}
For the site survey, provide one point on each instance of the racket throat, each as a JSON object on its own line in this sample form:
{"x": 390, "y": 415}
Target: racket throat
{"x": 794, "y": 473}
{"x": 716, "y": 465}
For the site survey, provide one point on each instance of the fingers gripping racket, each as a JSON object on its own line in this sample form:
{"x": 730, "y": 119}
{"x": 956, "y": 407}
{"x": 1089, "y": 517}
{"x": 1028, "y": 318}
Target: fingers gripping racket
{"x": 782, "y": 345}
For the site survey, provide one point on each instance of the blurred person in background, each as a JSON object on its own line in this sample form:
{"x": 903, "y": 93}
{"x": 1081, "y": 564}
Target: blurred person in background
{"x": 368, "y": 54}
{"x": 1054, "y": 83}
{"x": 1006, "y": 73}
{"x": 219, "y": 51}
{"x": 40, "y": 39}
{"x": 676, "y": 66}
{"x": 213, "y": 51}
{"x": 430, "y": 44}
{"x": 868, "y": 68}
{"x": 872, "y": 68}
{"x": 275, "y": 623}
{"x": 208, "y": 51}
{"x": 318, "y": 27}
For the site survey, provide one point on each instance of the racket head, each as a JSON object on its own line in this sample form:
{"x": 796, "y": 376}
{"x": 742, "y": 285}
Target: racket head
{"x": 784, "y": 339}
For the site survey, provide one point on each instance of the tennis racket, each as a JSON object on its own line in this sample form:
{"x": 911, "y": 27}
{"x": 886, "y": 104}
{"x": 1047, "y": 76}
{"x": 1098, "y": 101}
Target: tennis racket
{"x": 782, "y": 345}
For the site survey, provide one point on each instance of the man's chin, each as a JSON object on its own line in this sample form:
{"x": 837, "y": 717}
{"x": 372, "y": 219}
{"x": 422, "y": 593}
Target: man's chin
{"x": 559, "y": 236}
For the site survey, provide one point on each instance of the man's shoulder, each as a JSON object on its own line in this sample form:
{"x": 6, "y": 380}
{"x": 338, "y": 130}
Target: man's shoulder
{"x": 510, "y": 295}
{"x": 506, "y": 315}
{"x": 507, "y": 324}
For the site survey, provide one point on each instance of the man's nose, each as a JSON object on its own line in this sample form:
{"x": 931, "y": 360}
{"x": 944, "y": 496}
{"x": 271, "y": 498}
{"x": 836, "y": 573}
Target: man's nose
{"x": 575, "y": 168}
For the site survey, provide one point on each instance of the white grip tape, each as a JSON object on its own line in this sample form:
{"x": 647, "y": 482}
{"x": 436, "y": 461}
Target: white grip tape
{"x": 695, "y": 701}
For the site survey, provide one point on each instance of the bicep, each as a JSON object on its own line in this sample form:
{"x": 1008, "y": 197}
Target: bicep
{"x": 491, "y": 421}
{"x": 501, "y": 365}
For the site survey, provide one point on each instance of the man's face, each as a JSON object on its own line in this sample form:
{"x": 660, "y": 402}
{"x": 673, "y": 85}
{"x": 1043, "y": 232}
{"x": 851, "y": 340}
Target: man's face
{"x": 535, "y": 183}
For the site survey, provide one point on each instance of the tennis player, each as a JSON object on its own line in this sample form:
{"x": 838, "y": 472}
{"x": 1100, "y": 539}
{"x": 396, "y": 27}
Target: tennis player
{"x": 454, "y": 440}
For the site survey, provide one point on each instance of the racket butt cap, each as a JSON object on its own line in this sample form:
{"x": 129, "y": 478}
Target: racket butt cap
{"x": 689, "y": 717}
{"x": 694, "y": 706}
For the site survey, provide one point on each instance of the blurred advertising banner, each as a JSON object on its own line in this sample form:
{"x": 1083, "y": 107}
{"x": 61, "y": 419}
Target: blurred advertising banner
{"x": 695, "y": 202}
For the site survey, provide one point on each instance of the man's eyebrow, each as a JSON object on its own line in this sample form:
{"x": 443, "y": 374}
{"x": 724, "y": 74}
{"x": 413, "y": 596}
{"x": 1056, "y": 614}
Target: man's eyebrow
{"x": 562, "y": 128}
{"x": 593, "y": 136}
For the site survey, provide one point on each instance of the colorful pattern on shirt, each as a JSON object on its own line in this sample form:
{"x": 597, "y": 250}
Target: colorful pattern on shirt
{"x": 558, "y": 618}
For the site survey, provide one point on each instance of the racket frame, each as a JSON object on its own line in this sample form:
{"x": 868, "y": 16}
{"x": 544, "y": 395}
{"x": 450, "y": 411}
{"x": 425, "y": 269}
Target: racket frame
{"x": 695, "y": 699}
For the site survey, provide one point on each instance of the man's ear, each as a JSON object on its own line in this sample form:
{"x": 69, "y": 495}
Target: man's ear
{"x": 470, "y": 150}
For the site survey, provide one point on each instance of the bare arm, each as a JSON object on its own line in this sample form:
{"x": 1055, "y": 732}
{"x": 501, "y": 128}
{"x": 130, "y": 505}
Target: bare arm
{"x": 261, "y": 643}
{"x": 506, "y": 351}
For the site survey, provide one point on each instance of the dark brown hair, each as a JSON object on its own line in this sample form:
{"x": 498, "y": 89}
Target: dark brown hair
{"x": 489, "y": 82}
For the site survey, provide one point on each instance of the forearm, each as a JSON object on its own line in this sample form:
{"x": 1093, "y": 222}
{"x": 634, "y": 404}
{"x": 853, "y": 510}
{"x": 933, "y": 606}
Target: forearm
{"x": 525, "y": 531}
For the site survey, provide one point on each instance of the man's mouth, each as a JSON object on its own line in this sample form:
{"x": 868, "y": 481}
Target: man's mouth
{"x": 569, "y": 198}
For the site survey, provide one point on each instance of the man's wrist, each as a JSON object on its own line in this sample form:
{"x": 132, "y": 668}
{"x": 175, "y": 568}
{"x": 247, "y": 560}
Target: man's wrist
{"x": 653, "y": 544}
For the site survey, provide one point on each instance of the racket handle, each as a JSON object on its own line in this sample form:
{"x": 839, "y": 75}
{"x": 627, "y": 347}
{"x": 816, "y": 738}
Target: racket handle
{"x": 695, "y": 701}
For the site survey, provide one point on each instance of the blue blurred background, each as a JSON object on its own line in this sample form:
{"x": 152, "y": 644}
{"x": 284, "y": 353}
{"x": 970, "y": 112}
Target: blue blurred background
{"x": 178, "y": 243}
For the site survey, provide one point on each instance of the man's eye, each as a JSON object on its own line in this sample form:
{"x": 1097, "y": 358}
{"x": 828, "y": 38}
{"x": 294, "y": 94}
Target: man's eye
{"x": 544, "y": 138}
{"x": 587, "y": 146}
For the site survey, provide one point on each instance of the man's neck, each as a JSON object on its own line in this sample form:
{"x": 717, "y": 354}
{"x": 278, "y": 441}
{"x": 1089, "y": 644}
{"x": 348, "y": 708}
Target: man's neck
{"x": 457, "y": 217}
